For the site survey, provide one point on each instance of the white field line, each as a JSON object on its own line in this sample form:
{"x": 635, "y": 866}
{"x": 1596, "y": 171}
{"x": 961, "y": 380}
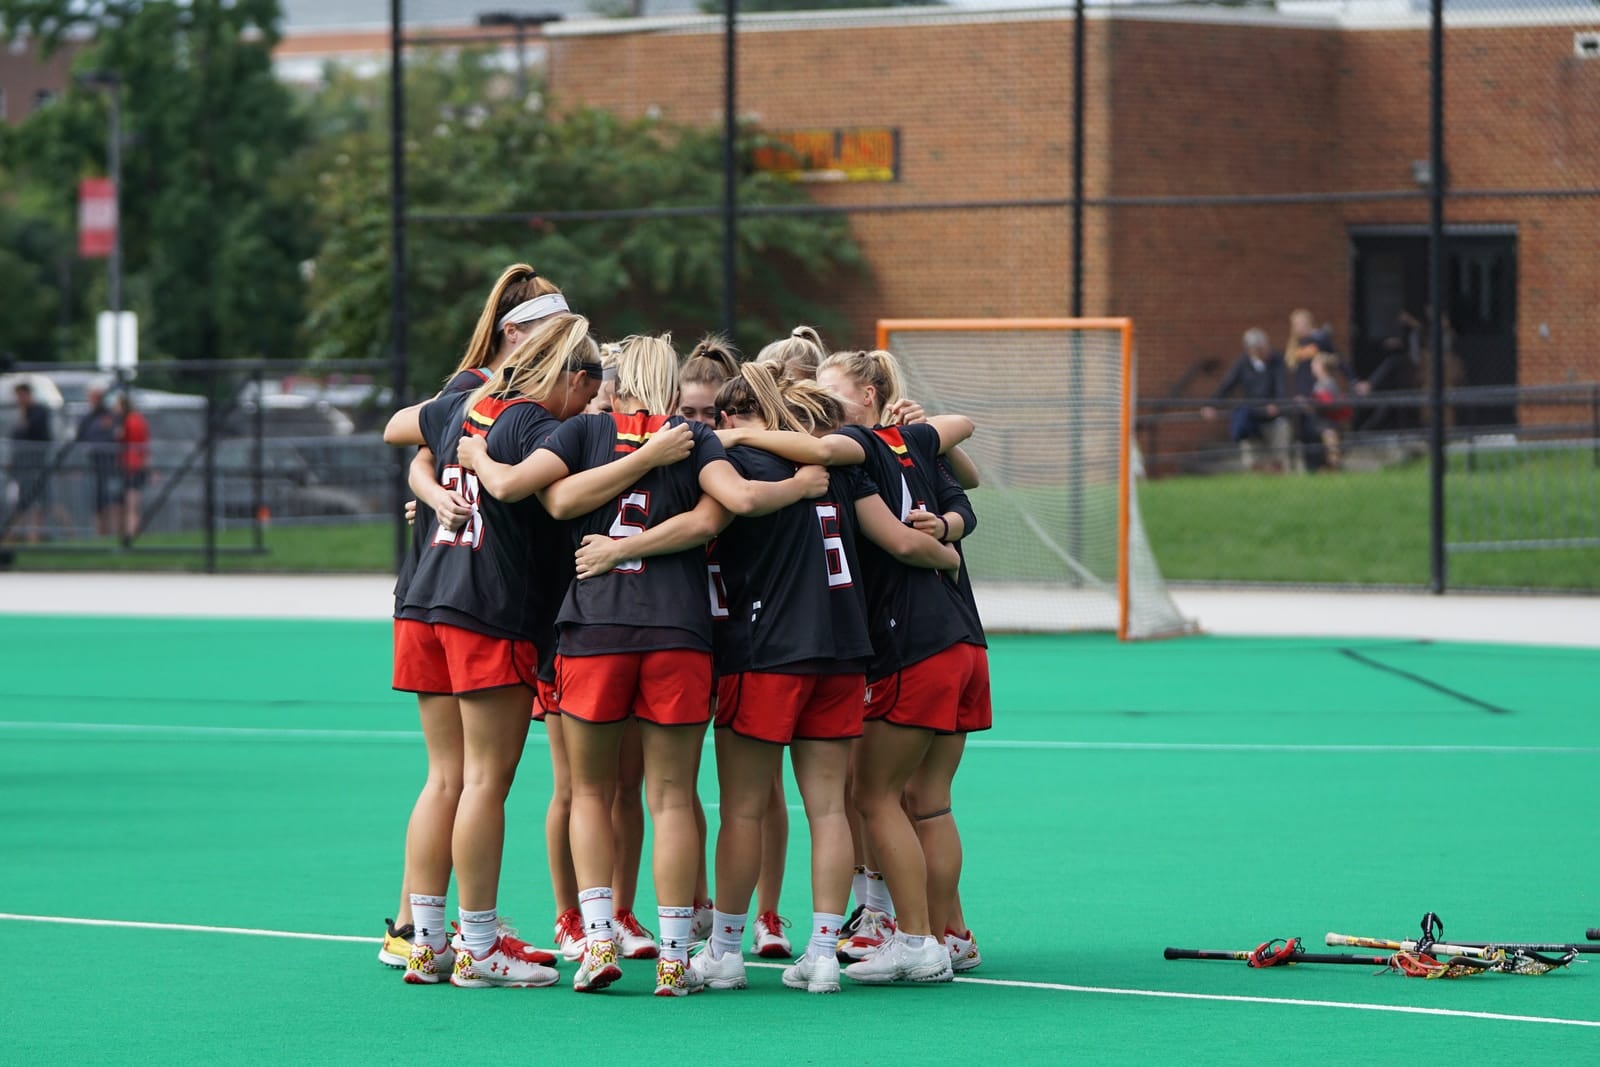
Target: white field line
{"x": 538, "y": 738}
{"x": 1059, "y": 987}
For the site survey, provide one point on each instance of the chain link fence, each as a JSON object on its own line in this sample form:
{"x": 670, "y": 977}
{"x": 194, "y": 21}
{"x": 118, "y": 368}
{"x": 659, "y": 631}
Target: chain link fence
{"x": 1206, "y": 170}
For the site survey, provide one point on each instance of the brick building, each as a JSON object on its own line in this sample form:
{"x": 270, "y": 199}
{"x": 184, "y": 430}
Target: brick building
{"x": 1239, "y": 164}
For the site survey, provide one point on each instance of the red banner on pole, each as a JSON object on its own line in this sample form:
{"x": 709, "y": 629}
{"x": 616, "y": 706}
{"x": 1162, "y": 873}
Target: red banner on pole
{"x": 97, "y": 217}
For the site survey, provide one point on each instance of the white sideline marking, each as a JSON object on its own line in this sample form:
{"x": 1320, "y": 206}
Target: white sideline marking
{"x": 67, "y": 920}
{"x": 1404, "y": 1009}
{"x": 539, "y": 738}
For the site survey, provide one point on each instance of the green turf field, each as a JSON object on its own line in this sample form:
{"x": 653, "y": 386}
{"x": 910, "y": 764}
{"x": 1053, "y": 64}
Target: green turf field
{"x": 1203, "y": 792}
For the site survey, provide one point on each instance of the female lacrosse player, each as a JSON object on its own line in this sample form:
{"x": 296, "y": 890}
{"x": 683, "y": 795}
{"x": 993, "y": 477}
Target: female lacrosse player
{"x": 792, "y": 646}
{"x": 636, "y": 642}
{"x": 928, "y": 684}
{"x": 518, "y": 299}
{"x": 468, "y": 623}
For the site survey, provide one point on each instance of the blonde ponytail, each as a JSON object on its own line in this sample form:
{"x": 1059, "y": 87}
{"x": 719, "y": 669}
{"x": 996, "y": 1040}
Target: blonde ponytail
{"x": 516, "y": 284}
{"x": 647, "y": 371}
{"x": 756, "y": 385}
{"x": 877, "y": 368}
{"x": 812, "y": 408}
{"x": 796, "y": 356}
{"x": 555, "y": 347}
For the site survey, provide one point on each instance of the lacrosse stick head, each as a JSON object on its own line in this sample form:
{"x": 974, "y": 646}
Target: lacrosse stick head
{"x": 1277, "y": 952}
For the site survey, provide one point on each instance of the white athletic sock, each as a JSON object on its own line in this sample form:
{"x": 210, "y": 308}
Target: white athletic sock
{"x": 675, "y": 924}
{"x": 877, "y": 897}
{"x": 858, "y": 885}
{"x": 427, "y": 915}
{"x": 824, "y": 935}
{"x": 910, "y": 940}
{"x": 596, "y": 907}
{"x": 478, "y": 930}
{"x": 727, "y": 933}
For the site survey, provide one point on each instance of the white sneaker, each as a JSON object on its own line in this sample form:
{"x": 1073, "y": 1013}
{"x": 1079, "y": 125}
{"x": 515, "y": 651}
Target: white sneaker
{"x": 428, "y": 966}
{"x": 719, "y": 972}
{"x": 570, "y": 936}
{"x": 507, "y": 963}
{"x": 675, "y": 978}
{"x": 634, "y": 942}
{"x": 770, "y": 940}
{"x": 874, "y": 929}
{"x": 700, "y": 926}
{"x": 818, "y": 974}
{"x": 599, "y": 967}
{"x": 964, "y": 954}
{"x": 899, "y": 961}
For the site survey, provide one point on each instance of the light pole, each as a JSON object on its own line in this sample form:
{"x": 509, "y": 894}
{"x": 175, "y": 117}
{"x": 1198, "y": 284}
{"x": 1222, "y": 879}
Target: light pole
{"x": 520, "y": 21}
{"x": 104, "y": 79}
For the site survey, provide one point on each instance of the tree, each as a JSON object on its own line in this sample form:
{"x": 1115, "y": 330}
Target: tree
{"x": 471, "y": 151}
{"x": 212, "y": 234}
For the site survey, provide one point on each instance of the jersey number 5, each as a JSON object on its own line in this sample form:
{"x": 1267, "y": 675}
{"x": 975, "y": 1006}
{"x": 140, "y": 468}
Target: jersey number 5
{"x": 633, "y": 513}
{"x": 833, "y": 546}
{"x": 470, "y": 535}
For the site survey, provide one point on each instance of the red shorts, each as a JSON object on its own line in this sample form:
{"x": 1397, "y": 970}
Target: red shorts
{"x": 780, "y": 708}
{"x": 947, "y": 693}
{"x": 545, "y": 700}
{"x": 440, "y": 658}
{"x": 667, "y": 687}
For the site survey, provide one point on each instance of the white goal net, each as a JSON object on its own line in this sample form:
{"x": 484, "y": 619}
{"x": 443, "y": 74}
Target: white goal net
{"x": 1060, "y": 545}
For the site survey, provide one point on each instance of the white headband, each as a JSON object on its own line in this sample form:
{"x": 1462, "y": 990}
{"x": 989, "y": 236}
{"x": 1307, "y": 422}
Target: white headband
{"x": 538, "y": 308}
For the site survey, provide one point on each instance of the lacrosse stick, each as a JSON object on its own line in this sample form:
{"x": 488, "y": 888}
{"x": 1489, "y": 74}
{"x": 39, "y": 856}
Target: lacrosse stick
{"x": 1507, "y": 958}
{"x": 1283, "y": 952}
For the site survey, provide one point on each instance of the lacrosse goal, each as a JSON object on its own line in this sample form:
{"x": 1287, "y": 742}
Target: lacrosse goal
{"x": 1060, "y": 545}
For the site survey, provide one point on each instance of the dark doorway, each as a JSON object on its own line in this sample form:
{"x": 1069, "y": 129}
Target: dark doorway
{"x": 1389, "y": 319}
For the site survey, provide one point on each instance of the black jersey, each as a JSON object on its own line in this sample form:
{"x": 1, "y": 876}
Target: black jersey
{"x": 464, "y": 382}
{"x": 482, "y": 576}
{"x": 914, "y": 612}
{"x": 642, "y": 604}
{"x": 794, "y": 597}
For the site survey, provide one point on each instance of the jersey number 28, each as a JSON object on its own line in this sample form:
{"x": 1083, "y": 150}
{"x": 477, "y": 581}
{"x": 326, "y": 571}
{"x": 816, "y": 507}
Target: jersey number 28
{"x": 470, "y": 535}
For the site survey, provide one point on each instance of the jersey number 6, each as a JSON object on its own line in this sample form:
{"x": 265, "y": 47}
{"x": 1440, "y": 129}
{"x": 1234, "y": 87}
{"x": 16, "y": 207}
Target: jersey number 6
{"x": 833, "y": 546}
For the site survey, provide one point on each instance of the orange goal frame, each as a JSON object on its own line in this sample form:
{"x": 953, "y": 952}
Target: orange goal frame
{"x": 1124, "y": 459}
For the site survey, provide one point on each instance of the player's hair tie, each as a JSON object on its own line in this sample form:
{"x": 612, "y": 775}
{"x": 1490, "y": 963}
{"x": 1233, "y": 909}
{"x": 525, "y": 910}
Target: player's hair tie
{"x": 539, "y": 307}
{"x": 944, "y": 538}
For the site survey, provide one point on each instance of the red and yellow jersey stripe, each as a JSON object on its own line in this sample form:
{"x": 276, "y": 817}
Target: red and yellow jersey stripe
{"x": 890, "y": 435}
{"x": 481, "y": 418}
{"x": 635, "y": 429}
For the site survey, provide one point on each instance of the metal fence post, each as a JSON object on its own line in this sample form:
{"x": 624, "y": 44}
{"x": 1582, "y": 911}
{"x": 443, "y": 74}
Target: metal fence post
{"x": 1436, "y": 292}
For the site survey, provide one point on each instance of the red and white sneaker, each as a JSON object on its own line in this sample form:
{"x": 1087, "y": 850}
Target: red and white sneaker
{"x": 508, "y": 962}
{"x": 964, "y": 954}
{"x": 675, "y": 978}
{"x": 633, "y": 940}
{"x": 428, "y": 966}
{"x": 599, "y": 967}
{"x": 873, "y": 930}
{"x": 771, "y": 943}
{"x": 704, "y": 919}
{"x": 570, "y": 936}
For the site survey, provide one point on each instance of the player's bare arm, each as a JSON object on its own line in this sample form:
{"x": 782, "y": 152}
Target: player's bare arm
{"x": 405, "y": 427}
{"x": 691, "y": 529}
{"x": 751, "y": 498}
{"x": 947, "y": 526}
{"x": 448, "y": 505}
{"x": 910, "y": 546}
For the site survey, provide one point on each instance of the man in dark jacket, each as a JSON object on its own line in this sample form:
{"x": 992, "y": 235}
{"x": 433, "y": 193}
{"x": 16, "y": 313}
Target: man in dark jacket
{"x": 1258, "y": 376}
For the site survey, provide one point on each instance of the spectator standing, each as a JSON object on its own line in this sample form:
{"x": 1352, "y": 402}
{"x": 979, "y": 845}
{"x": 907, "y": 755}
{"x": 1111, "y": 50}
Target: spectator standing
{"x": 30, "y": 460}
{"x": 1259, "y": 377}
{"x": 134, "y": 435}
{"x": 97, "y": 433}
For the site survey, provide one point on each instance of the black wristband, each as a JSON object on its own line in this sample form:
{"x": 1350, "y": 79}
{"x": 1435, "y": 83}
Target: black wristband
{"x": 944, "y": 538}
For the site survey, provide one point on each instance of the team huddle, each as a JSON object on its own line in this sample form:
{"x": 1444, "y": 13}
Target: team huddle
{"x": 635, "y": 550}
